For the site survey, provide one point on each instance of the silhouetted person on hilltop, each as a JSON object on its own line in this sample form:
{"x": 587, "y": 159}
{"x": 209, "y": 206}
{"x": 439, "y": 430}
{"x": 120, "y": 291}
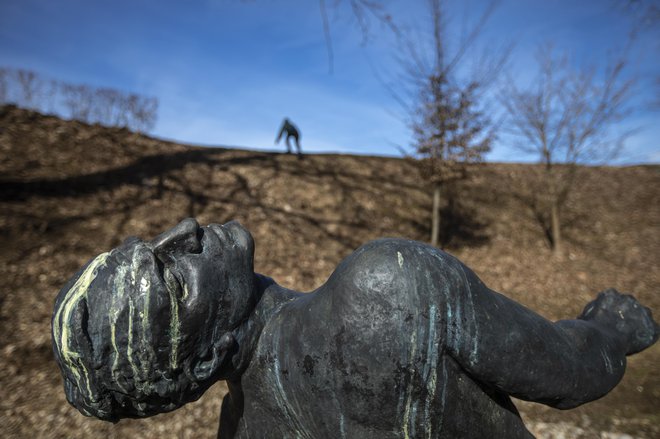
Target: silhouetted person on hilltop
{"x": 291, "y": 131}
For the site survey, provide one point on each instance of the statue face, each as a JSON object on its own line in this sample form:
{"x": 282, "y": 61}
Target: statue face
{"x": 207, "y": 276}
{"x": 190, "y": 283}
{"x": 144, "y": 328}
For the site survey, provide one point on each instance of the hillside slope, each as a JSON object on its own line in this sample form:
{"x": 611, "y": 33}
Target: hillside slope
{"x": 69, "y": 191}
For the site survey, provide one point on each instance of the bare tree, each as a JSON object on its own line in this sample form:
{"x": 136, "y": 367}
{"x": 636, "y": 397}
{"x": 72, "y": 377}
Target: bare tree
{"x": 106, "y": 103}
{"x": 451, "y": 132}
{"x": 79, "y": 99}
{"x": 566, "y": 118}
{"x": 449, "y": 123}
{"x": 88, "y": 104}
{"x": 4, "y": 86}
{"x": 451, "y": 129}
{"x": 49, "y": 104}
{"x": 29, "y": 84}
{"x": 142, "y": 112}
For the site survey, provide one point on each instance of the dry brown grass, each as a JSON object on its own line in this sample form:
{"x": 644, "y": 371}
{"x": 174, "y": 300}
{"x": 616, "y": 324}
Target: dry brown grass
{"x": 69, "y": 191}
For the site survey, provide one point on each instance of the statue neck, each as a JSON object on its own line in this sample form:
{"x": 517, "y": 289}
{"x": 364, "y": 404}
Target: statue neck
{"x": 269, "y": 297}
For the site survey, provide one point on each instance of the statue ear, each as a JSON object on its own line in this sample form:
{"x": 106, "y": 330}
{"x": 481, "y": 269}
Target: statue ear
{"x": 205, "y": 368}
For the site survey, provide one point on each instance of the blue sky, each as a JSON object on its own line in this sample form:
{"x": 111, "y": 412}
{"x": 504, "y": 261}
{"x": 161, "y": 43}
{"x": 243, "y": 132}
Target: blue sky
{"x": 227, "y": 71}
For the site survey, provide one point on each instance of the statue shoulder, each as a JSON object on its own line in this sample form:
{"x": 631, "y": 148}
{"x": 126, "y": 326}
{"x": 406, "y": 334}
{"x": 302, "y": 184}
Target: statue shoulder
{"x": 395, "y": 253}
{"x": 388, "y": 261}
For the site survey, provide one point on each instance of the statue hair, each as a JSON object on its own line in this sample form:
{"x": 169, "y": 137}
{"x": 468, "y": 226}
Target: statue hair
{"x": 117, "y": 362}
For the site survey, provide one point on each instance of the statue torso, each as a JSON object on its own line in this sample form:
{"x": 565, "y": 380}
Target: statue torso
{"x": 363, "y": 355}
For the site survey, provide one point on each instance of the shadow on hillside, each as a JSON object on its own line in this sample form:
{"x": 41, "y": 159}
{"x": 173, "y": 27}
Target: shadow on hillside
{"x": 572, "y": 221}
{"x": 232, "y": 186}
{"x": 136, "y": 173}
{"x": 354, "y": 220}
{"x": 461, "y": 226}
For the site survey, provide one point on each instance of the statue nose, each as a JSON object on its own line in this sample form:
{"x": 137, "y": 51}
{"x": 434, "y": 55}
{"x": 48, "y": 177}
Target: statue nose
{"x": 180, "y": 239}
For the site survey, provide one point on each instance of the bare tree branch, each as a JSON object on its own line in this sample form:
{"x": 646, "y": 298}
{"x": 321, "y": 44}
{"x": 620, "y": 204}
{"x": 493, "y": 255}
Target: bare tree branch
{"x": 364, "y": 12}
{"x": 567, "y": 119}
{"x": 328, "y": 37}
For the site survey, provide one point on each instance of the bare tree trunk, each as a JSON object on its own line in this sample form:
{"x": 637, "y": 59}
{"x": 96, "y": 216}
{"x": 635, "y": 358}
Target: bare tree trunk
{"x": 435, "y": 225}
{"x": 555, "y": 228}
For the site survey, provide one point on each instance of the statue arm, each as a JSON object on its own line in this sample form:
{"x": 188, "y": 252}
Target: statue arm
{"x": 515, "y": 350}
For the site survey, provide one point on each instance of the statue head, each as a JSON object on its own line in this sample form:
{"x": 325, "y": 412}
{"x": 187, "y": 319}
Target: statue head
{"x": 147, "y": 327}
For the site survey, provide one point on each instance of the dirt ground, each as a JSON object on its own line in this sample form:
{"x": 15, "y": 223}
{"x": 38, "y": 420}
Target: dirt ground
{"x": 69, "y": 191}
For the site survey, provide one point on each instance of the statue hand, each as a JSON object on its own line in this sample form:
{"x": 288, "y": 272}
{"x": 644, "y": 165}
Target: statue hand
{"x": 626, "y": 316}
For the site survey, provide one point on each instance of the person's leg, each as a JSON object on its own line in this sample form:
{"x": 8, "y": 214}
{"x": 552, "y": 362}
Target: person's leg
{"x": 297, "y": 139}
{"x": 288, "y": 145}
{"x": 563, "y": 364}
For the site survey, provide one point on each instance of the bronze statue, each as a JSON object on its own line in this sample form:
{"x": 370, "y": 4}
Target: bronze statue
{"x": 402, "y": 341}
